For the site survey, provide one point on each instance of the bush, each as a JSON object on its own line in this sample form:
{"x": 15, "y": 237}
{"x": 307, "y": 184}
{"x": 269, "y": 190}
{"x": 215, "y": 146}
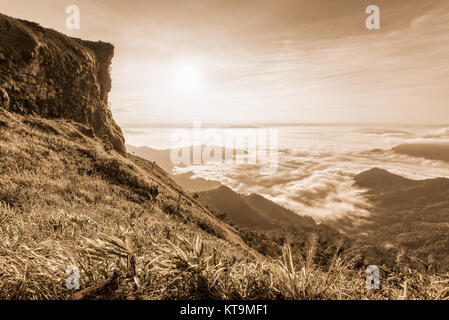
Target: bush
{"x": 171, "y": 208}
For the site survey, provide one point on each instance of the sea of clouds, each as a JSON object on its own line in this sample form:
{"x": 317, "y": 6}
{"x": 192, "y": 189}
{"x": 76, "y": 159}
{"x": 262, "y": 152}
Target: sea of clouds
{"x": 316, "y": 166}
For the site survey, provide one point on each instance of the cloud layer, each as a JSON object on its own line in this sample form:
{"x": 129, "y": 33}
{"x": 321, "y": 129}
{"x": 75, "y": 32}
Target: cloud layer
{"x": 317, "y": 179}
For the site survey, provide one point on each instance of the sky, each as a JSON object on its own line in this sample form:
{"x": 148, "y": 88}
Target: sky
{"x": 259, "y": 61}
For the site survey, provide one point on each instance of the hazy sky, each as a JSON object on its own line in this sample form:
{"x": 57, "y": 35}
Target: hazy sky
{"x": 277, "y": 61}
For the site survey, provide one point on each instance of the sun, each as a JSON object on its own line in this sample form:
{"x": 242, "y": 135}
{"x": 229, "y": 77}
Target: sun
{"x": 187, "y": 77}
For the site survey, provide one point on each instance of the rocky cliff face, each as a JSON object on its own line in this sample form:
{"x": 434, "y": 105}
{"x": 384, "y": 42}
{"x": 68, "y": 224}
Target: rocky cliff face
{"x": 46, "y": 73}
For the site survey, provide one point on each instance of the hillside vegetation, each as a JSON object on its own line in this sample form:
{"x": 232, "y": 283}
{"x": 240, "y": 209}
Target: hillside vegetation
{"x": 409, "y": 216}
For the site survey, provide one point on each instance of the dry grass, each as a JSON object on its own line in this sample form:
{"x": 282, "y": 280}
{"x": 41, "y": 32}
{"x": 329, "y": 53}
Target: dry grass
{"x": 65, "y": 200}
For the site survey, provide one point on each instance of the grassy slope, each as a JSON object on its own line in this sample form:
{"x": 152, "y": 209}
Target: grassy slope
{"x": 133, "y": 233}
{"x": 58, "y": 186}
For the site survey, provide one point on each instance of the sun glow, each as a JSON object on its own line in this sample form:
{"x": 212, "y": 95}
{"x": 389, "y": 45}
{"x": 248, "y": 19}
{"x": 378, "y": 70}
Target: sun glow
{"x": 187, "y": 77}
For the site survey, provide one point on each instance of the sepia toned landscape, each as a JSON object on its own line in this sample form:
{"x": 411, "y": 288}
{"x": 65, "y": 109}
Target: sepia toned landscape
{"x": 118, "y": 181}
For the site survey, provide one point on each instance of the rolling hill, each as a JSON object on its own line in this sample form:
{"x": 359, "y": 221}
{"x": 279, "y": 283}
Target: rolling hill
{"x": 252, "y": 210}
{"x": 411, "y": 216}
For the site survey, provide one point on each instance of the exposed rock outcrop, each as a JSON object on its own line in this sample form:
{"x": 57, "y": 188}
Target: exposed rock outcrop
{"x": 46, "y": 73}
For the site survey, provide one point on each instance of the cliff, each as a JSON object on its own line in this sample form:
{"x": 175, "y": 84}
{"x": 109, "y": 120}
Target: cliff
{"x": 46, "y": 73}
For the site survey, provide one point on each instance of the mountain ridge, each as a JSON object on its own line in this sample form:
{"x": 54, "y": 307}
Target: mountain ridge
{"x": 252, "y": 210}
{"x": 431, "y": 151}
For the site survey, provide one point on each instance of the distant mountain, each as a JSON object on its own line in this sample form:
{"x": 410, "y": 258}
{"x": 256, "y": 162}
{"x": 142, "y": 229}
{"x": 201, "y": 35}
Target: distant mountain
{"x": 398, "y": 192}
{"x": 431, "y": 151}
{"x": 252, "y": 211}
{"x": 194, "y": 184}
{"x": 382, "y": 131}
{"x": 162, "y": 158}
{"x": 380, "y": 178}
{"x": 407, "y": 215}
{"x": 234, "y": 205}
{"x": 277, "y": 213}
